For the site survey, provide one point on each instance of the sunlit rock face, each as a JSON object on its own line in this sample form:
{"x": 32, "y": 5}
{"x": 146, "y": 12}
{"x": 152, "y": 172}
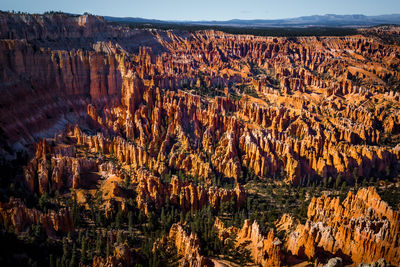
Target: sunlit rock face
{"x": 15, "y": 214}
{"x": 361, "y": 229}
{"x": 323, "y": 107}
{"x": 174, "y": 113}
{"x": 264, "y": 250}
{"x": 187, "y": 246}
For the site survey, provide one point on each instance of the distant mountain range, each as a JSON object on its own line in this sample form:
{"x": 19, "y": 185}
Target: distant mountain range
{"x": 328, "y": 20}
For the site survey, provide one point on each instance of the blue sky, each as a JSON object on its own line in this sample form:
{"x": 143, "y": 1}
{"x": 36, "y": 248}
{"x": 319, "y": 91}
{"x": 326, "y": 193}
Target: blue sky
{"x": 207, "y": 9}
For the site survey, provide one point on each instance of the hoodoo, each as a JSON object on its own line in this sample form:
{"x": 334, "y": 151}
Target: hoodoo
{"x": 130, "y": 145}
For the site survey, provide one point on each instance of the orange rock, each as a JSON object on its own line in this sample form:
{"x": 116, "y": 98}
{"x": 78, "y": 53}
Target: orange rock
{"x": 362, "y": 228}
{"x": 122, "y": 256}
{"x": 152, "y": 192}
{"x": 16, "y": 214}
{"x": 187, "y": 245}
{"x": 265, "y": 250}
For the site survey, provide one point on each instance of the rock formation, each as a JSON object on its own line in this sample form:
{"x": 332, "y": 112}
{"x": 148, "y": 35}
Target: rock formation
{"x": 187, "y": 245}
{"x": 16, "y": 214}
{"x": 50, "y": 169}
{"x": 361, "y": 229}
{"x": 100, "y": 106}
{"x": 265, "y": 250}
{"x": 186, "y": 196}
{"x": 309, "y": 129}
{"x": 122, "y": 256}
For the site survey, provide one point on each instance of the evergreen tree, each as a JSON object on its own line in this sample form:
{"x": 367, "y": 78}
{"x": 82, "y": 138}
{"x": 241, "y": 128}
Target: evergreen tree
{"x": 325, "y": 182}
{"x": 119, "y": 237}
{"x": 98, "y": 244}
{"x": 118, "y": 218}
{"x": 127, "y": 180}
{"x": 108, "y": 247}
{"x": 83, "y": 250}
{"x": 73, "y": 257}
{"x": 99, "y": 221}
{"x": 355, "y": 175}
{"x": 65, "y": 250}
{"x": 75, "y": 211}
{"x": 51, "y": 261}
{"x": 338, "y": 181}
{"x": 130, "y": 221}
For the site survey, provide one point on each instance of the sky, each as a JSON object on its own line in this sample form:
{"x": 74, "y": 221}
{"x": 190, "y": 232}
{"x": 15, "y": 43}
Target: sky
{"x": 206, "y": 9}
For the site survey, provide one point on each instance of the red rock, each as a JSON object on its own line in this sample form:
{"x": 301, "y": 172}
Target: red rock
{"x": 363, "y": 227}
{"x": 264, "y": 250}
{"x": 187, "y": 245}
{"x": 16, "y": 214}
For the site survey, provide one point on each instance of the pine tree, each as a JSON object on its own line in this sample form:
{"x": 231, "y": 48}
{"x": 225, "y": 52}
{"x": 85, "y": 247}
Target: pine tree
{"x": 118, "y": 219}
{"x": 330, "y": 181}
{"x": 98, "y": 244}
{"x": 338, "y": 181}
{"x": 80, "y": 236}
{"x": 127, "y": 180}
{"x": 163, "y": 219}
{"x": 65, "y": 250}
{"x": 83, "y": 250}
{"x": 355, "y": 175}
{"x": 130, "y": 221}
{"x": 108, "y": 247}
{"x": 73, "y": 257}
{"x": 119, "y": 237}
{"x": 387, "y": 171}
{"x": 75, "y": 211}
{"x": 343, "y": 188}
{"x": 325, "y": 182}
{"x": 51, "y": 261}
{"x": 98, "y": 219}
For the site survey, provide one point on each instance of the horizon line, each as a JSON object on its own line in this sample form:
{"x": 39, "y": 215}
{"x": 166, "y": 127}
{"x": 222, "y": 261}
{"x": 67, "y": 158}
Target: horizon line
{"x": 193, "y": 20}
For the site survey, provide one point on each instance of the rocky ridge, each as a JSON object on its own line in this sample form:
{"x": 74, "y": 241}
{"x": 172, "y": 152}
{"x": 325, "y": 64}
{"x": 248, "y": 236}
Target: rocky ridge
{"x": 361, "y": 229}
{"x": 120, "y": 109}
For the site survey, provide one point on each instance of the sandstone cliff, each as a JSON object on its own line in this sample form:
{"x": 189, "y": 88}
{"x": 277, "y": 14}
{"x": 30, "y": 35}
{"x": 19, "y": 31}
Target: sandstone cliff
{"x": 362, "y": 228}
{"x": 16, "y": 214}
{"x": 333, "y": 113}
{"x": 122, "y": 256}
{"x": 264, "y": 250}
{"x": 187, "y": 245}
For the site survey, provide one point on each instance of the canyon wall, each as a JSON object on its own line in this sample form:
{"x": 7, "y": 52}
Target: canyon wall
{"x": 264, "y": 250}
{"x": 361, "y": 229}
{"x": 150, "y": 117}
{"x": 15, "y": 214}
{"x": 319, "y": 107}
{"x": 187, "y": 246}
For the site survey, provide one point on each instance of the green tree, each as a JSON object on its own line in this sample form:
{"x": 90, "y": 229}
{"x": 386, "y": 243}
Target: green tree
{"x": 343, "y": 188}
{"x": 108, "y": 247}
{"x": 130, "y": 222}
{"x": 325, "y": 182}
{"x": 75, "y": 211}
{"x": 99, "y": 244}
{"x": 51, "y": 261}
{"x": 73, "y": 256}
{"x": 338, "y": 181}
{"x": 119, "y": 237}
{"x": 65, "y": 251}
{"x": 119, "y": 218}
{"x": 387, "y": 171}
{"x": 83, "y": 250}
{"x": 355, "y": 175}
{"x": 127, "y": 180}
{"x": 330, "y": 181}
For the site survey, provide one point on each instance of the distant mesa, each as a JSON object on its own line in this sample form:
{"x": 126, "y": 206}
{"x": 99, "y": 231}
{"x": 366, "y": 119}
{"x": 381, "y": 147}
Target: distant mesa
{"x": 328, "y": 20}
